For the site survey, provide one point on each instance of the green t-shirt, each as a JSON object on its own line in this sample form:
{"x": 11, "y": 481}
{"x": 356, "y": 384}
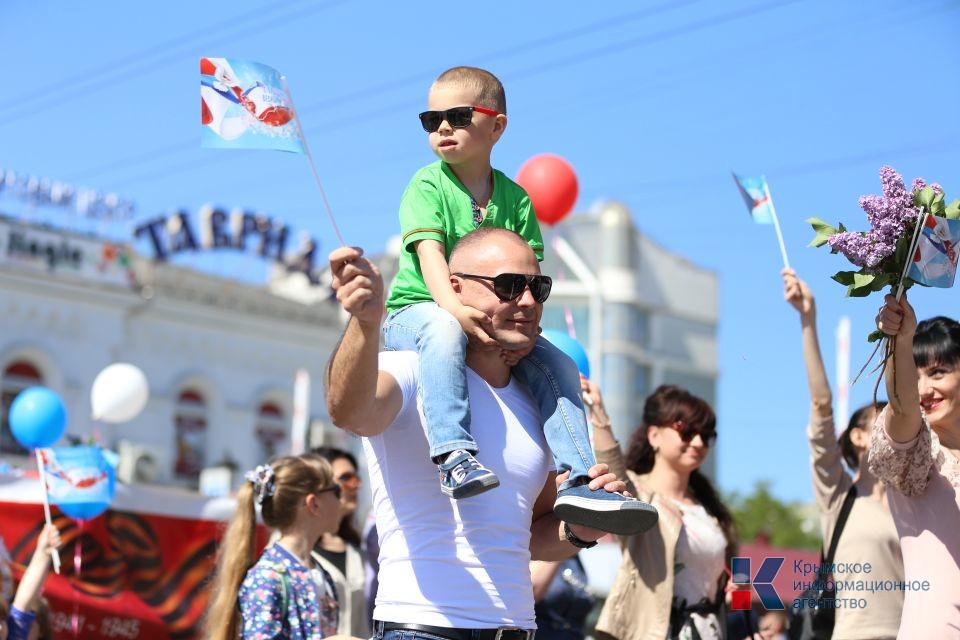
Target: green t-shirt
{"x": 436, "y": 206}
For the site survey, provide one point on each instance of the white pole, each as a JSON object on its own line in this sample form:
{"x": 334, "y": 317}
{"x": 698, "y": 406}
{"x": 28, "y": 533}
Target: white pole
{"x": 46, "y": 506}
{"x": 843, "y": 373}
{"x": 776, "y": 224}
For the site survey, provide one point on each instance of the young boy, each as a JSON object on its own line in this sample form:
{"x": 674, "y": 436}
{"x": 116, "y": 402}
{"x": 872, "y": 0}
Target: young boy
{"x": 443, "y": 202}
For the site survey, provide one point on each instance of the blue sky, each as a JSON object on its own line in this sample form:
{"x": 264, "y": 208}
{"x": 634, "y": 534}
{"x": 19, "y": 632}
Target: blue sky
{"x": 653, "y": 103}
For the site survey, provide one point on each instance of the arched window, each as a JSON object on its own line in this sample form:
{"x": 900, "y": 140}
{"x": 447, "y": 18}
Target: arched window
{"x": 190, "y": 426}
{"x": 271, "y": 429}
{"x": 17, "y": 376}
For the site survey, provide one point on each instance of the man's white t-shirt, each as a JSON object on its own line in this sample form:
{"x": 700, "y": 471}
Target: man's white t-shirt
{"x": 457, "y": 563}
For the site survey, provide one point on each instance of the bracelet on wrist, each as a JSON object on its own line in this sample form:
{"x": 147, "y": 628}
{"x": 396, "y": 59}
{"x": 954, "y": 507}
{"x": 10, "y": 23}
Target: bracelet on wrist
{"x": 576, "y": 541}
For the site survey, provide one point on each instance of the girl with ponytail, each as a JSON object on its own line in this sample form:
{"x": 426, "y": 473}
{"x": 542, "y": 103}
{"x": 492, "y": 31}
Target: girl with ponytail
{"x": 283, "y": 594}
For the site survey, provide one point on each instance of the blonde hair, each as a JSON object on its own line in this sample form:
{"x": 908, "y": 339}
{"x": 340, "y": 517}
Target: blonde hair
{"x": 488, "y": 88}
{"x": 294, "y": 477}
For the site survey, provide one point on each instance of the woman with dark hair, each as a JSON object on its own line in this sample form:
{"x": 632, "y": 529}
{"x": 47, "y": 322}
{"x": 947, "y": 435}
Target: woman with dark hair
{"x": 916, "y": 450}
{"x": 671, "y": 581}
{"x": 869, "y": 534}
{"x": 339, "y": 553}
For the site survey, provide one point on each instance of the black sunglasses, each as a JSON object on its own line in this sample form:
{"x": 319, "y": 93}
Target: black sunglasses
{"x": 510, "y": 286}
{"x": 458, "y": 117}
{"x": 688, "y": 432}
{"x": 334, "y": 487}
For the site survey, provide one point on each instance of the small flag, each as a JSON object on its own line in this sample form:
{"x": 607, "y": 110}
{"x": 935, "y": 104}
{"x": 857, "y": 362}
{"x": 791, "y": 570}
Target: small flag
{"x": 935, "y": 260}
{"x": 79, "y": 480}
{"x": 756, "y": 195}
{"x": 244, "y": 105}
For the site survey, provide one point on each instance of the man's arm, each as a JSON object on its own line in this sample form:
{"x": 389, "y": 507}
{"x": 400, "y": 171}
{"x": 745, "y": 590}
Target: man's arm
{"x": 360, "y": 397}
{"x": 547, "y": 541}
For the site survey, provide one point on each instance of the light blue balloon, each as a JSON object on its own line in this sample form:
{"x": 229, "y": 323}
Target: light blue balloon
{"x": 37, "y": 418}
{"x": 571, "y": 347}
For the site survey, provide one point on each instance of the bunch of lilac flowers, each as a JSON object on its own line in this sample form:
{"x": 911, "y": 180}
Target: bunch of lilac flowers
{"x": 889, "y": 216}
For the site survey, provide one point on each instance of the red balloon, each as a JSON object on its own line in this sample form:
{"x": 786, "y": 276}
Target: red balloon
{"x": 551, "y": 184}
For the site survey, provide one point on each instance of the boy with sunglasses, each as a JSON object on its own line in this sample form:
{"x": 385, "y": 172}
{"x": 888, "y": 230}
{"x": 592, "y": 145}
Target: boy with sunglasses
{"x": 444, "y": 202}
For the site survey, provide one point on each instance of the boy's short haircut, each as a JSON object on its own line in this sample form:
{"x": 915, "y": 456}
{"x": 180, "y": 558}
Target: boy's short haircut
{"x": 489, "y": 89}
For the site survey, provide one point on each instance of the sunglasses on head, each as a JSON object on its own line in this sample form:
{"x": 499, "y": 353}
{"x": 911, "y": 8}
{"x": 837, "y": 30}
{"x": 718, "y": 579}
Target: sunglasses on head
{"x": 457, "y": 117}
{"x": 334, "y": 487}
{"x": 689, "y": 432}
{"x": 509, "y": 286}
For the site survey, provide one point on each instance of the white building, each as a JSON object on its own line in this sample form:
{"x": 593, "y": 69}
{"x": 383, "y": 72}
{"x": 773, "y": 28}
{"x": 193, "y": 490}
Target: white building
{"x": 220, "y": 355}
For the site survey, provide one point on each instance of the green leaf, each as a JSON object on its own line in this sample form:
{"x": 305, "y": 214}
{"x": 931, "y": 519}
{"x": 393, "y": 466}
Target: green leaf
{"x": 936, "y": 207}
{"x": 952, "y": 210}
{"x": 875, "y": 335}
{"x": 924, "y": 197}
{"x": 823, "y": 230}
{"x": 880, "y": 281}
{"x": 903, "y": 245}
{"x": 844, "y": 277}
{"x": 863, "y": 279}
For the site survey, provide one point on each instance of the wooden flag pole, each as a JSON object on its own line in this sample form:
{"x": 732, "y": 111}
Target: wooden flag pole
{"x": 46, "y": 507}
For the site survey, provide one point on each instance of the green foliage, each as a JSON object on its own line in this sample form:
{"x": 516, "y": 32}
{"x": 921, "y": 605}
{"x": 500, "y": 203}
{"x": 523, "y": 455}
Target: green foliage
{"x": 760, "y": 513}
{"x": 824, "y": 231}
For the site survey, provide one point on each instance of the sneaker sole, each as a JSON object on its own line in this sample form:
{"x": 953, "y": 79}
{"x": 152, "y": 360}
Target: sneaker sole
{"x": 472, "y": 488}
{"x": 619, "y": 518}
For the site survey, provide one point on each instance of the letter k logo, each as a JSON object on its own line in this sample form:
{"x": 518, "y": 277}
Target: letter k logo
{"x": 762, "y": 583}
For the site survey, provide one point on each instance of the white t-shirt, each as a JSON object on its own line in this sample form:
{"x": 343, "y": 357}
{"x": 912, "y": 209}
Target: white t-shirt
{"x": 457, "y": 563}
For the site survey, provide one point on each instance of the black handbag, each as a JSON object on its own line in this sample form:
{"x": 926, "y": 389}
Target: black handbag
{"x": 816, "y": 622}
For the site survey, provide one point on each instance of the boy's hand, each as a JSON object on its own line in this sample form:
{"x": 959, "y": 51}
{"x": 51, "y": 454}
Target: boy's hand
{"x": 478, "y": 327}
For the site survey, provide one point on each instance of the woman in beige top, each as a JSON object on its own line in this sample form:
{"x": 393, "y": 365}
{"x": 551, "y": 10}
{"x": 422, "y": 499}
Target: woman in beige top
{"x": 869, "y": 535}
{"x": 671, "y": 580}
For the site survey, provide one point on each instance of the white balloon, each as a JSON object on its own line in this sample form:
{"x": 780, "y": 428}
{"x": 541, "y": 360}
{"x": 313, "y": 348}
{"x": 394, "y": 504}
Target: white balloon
{"x": 119, "y": 393}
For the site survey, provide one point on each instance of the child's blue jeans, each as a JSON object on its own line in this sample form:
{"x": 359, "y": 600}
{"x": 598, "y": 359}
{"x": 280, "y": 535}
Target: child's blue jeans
{"x": 550, "y": 374}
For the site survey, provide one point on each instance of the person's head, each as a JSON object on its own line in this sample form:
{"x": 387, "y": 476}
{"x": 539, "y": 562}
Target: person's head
{"x": 936, "y": 352}
{"x": 678, "y": 430}
{"x": 483, "y": 255}
{"x": 855, "y": 439}
{"x": 295, "y": 494}
{"x": 771, "y": 625}
{"x": 465, "y": 135}
{"x": 344, "y": 465}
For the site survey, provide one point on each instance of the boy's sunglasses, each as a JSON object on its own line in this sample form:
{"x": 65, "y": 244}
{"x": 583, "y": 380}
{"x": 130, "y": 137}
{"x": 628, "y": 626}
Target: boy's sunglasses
{"x": 688, "y": 433}
{"x": 458, "y": 117}
{"x": 509, "y": 286}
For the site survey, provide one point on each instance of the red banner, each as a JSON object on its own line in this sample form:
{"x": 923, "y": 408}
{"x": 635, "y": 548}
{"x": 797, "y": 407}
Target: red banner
{"x": 140, "y": 570}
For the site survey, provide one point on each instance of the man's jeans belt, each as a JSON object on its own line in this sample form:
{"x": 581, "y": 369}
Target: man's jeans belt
{"x": 501, "y": 633}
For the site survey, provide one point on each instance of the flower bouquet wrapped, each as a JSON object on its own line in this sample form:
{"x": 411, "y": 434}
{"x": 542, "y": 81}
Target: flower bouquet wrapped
{"x": 886, "y": 251}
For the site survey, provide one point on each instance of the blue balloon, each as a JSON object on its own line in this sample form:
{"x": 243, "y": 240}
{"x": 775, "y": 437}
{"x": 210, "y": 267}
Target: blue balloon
{"x": 571, "y": 347}
{"x": 37, "y": 418}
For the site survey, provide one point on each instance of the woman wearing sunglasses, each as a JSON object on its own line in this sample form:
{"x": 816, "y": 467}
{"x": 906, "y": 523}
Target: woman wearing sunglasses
{"x": 671, "y": 580}
{"x": 869, "y": 534}
{"x": 338, "y": 552}
{"x": 284, "y": 594}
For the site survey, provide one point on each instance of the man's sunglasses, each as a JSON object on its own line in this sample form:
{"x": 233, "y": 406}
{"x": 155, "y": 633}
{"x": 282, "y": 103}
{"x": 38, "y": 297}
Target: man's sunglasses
{"x": 458, "y": 117}
{"x": 689, "y": 432}
{"x": 509, "y": 286}
{"x": 348, "y": 477}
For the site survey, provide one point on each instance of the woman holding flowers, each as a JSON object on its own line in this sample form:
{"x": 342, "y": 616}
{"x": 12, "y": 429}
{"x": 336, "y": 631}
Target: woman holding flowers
{"x": 916, "y": 451}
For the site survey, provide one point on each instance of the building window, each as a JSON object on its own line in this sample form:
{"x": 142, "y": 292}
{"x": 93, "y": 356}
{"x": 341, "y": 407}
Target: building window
{"x": 271, "y": 429}
{"x": 18, "y": 375}
{"x": 190, "y": 425}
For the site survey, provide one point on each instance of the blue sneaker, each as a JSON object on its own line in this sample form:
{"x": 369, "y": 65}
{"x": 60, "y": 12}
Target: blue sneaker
{"x": 461, "y": 476}
{"x": 600, "y": 509}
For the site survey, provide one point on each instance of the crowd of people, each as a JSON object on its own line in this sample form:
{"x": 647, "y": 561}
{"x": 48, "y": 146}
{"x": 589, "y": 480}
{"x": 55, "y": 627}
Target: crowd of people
{"x": 466, "y": 391}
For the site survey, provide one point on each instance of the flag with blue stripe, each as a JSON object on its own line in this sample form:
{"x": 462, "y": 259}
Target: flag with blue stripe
{"x": 756, "y": 195}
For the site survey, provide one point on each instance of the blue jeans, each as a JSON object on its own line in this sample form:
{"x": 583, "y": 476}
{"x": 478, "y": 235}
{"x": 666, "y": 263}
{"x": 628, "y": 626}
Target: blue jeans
{"x": 551, "y": 375}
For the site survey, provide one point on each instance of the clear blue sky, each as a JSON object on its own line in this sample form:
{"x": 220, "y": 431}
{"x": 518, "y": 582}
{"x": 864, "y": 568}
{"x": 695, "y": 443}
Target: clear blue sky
{"x": 653, "y": 103}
